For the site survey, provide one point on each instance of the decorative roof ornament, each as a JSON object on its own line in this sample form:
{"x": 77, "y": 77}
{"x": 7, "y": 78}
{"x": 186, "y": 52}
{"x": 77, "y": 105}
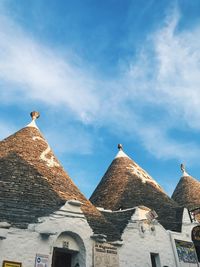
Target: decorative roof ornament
{"x": 34, "y": 115}
{"x": 121, "y": 153}
{"x": 120, "y": 147}
{"x": 183, "y": 170}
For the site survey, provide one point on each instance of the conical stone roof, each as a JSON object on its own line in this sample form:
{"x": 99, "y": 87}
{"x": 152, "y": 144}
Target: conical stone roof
{"x": 126, "y": 185}
{"x": 33, "y": 183}
{"x": 187, "y": 191}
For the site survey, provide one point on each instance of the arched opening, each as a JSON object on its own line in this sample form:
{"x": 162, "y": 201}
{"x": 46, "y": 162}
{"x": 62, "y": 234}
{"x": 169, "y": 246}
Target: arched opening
{"x": 68, "y": 251}
{"x": 196, "y": 240}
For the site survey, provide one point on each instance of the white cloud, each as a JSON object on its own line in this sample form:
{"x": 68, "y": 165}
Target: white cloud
{"x": 178, "y": 78}
{"x": 42, "y": 74}
{"x": 164, "y": 81}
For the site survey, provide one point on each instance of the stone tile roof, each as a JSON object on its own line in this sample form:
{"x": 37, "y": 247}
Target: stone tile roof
{"x": 187, "y": 192}
{"x": 33, "y": 183}
{"x": 119, "y": 219}
{"x": 126, "y": 185}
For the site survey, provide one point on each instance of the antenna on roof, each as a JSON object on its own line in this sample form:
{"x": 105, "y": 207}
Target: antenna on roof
{"x": 120, "y": 147}
{"x": 35, "y": 115}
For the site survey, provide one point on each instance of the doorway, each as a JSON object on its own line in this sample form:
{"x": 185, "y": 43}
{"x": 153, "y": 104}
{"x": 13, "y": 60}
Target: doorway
{"x": 196, "y": 240}
{"x": 155, "y": 260}
{"x": 61, "y": 258}
{"x": 68, "y": 251}
{"x": 197, "y": 247}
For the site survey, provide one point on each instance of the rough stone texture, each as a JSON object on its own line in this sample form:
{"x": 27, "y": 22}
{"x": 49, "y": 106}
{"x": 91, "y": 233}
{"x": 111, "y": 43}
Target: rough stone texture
{"x": 22, "y": 245}
{"x": 146, "y": 237}
{"x": 157, "y": 241}
{"x": 119, "y": 219}
{"x": 34, "y": 184}
{"x": 120, "y": 188}
{"x": 187, "y": 192}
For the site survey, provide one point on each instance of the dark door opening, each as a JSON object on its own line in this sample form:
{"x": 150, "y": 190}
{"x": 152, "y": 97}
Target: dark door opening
{"x": 197, "y": 247}
{"x": 155, "y": 260}
{"x": 61, "y": 258}
{"x": 196, "y": 240}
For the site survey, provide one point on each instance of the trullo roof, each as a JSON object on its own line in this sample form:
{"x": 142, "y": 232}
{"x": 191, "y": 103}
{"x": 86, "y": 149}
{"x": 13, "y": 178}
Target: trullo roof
{"x": 187, "y": 191}
{"x": 126, "y": 185}
{"x": 33, "y": 183}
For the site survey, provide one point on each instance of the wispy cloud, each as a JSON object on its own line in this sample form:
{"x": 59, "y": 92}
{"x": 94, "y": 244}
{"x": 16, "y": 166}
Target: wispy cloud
{"x": 178, "y": 76}
{"x": 42, "y": 74}
{"x": 158, "y": 89}
{"x": 165, "y": 80}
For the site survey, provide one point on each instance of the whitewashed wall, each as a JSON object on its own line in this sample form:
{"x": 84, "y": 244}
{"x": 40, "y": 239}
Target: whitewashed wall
{"x": 142, "y": 238}
{"x": 23, "y": 245}
{"x": 185, "y": 235}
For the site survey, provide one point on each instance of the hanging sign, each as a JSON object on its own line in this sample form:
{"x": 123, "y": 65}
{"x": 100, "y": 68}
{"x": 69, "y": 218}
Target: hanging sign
{"x": 11, "y": 264}
{"x": 41, "y": 260}
{"x": 105, "y": 255}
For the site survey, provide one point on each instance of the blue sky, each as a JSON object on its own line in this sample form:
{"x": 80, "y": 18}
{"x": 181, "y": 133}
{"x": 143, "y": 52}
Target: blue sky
{"x": 102, "y": 73}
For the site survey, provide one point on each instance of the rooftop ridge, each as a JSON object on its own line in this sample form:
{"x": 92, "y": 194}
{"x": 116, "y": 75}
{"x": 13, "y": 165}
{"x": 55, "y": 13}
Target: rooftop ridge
{"x": 32, "y": 124}
{"x": 116, "y": 211}
{"x": 121, "y": 154}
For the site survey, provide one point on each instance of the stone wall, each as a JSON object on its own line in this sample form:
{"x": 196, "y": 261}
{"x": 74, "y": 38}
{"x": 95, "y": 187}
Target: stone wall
{"x": 185, "y": 235}
{"x": 22, "y": 245}
{"x": 142, "y": 238}
{"x": 69, "y": 226}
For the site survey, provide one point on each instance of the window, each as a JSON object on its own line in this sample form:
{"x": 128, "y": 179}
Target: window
{"x": 155, "y": 260}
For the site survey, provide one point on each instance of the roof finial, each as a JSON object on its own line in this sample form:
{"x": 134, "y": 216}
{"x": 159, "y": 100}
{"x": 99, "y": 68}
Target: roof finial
{"x": 120, "y": 147}
{"x": 183, "y": 170}
{"x": 182, "y": 167}
{"x": 35, "y": 115}
{"x": 121, "y": 153}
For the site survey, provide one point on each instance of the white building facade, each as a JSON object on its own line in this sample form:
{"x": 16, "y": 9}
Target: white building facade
{"x": 46, "y": 222}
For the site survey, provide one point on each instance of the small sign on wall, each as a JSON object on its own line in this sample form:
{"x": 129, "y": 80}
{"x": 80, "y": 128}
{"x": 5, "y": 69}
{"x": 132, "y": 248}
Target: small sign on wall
{"x": 12, "y": 264}
{"x": 105, "y": 255}
{"x": 41, "y": 260}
